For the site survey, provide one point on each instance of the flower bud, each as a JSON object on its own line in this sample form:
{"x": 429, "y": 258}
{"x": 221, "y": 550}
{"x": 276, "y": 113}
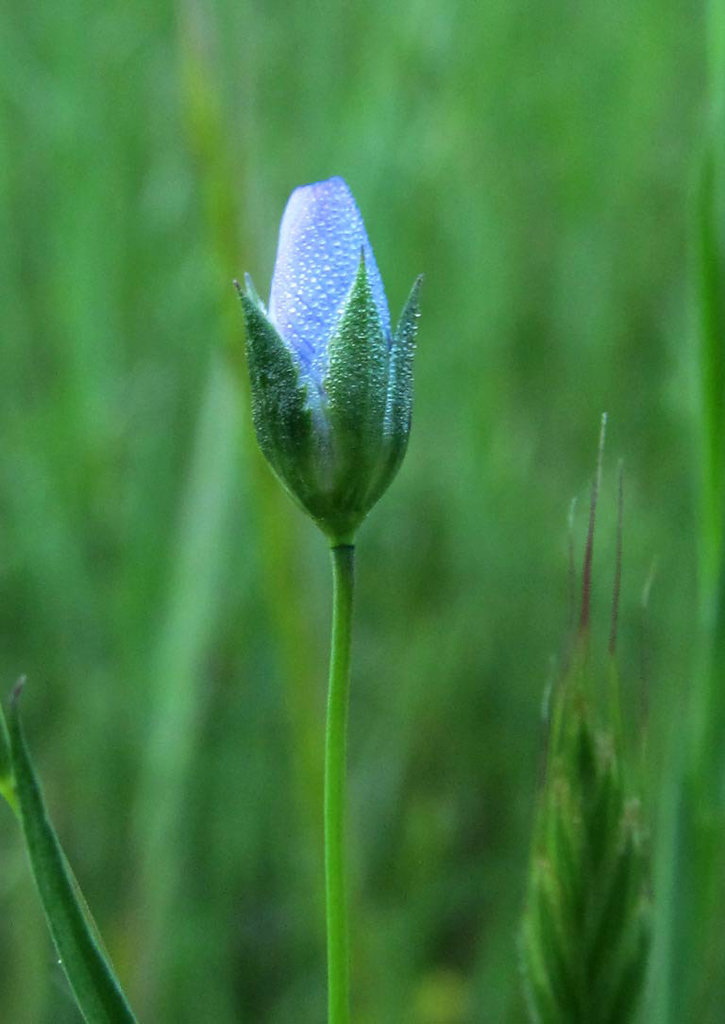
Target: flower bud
{"x": 331, "y": 384}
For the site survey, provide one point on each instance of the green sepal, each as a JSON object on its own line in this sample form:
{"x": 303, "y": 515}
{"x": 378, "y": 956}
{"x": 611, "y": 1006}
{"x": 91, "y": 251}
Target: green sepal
{"x": 281, "y": 414}
{"x": 335, "y": 445}
{"x": 356, "y": 387}
{"x": 80, "y": 950}
{"x": 252, "y": 293}
{"x": 399, "y": 406}
{"x": 399, "y": 400}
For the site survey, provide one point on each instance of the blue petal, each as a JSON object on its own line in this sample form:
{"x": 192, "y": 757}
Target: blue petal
{"x": 318, "y": 255}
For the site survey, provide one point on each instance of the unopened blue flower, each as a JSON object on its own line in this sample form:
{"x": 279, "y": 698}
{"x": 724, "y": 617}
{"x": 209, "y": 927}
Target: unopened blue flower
{"x": 331, "y": 384}
{"x": 320, "y": 240}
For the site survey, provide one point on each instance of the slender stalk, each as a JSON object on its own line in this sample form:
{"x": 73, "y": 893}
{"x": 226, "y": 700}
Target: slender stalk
{"x": 687, "y": 980}
{"x": 343, "y": 562}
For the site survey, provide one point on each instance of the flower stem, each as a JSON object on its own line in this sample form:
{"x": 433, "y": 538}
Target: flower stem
{"x": 343, "y": 561}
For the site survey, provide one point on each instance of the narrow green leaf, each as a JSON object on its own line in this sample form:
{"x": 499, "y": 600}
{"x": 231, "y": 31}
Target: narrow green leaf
{"x": 711, "y": 307}
{"x": 610, "y": 928}
{"x": 97, "y": 992}
{"x": 557, "y": 956}
{"x": 543, "y": 1006}
{"x": 566, "y": 858}
{"x": 7, "y": 782}
{"x": 626, "y": 997}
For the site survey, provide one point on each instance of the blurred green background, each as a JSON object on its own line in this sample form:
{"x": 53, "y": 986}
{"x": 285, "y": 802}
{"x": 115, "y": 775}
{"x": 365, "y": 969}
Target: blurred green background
{"x": 167, "y": 601}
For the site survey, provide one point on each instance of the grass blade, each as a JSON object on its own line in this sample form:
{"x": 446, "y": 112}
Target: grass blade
{"x": 96, "y": 989}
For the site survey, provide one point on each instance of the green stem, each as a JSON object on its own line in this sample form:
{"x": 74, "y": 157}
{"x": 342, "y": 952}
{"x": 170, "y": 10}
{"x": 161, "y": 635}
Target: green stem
{"x": 343, "y": 562}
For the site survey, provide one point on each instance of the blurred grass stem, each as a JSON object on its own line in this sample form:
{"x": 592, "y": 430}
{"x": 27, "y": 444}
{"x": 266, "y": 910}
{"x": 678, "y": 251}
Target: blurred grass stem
{"x": 343, "y": 562}
{"x": 689, "y": 968}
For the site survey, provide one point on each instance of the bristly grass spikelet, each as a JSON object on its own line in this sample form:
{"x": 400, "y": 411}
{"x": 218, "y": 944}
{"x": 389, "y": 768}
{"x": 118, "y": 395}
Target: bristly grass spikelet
{"x": 585, "y": 935}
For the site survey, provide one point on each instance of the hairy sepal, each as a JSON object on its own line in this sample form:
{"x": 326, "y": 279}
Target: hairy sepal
{"x": 280, "y": 409}
{"x": 356, "y": 383}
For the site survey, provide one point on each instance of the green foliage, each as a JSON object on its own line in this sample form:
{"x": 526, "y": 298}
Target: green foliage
{"x": 95, "y": 987}
{"x": 586, "y": 931}
{"x": 689, "y": 974}
{"x": 710, "y": 280}
{"x": 534, "y": 161}
{"x": 7, "y": 780}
